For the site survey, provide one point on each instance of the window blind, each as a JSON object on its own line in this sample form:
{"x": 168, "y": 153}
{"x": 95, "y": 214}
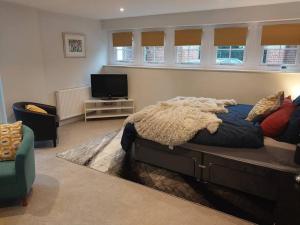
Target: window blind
{"x": 122, "y": 39}
{"x": 153, "y": 38}
{"x": 230, "y": 36}
{"x": 188, "y": 37}
{"x": 281, "y": 34}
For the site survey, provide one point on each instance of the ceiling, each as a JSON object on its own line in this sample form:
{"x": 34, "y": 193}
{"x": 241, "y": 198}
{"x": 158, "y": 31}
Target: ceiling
{"x": 107, "y": 9}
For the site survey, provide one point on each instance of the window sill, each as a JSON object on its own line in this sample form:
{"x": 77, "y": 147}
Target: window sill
{"x": 223, "y": 69}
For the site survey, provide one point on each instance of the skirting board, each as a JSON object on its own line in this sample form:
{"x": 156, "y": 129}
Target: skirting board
{"x": 71, "y": 120}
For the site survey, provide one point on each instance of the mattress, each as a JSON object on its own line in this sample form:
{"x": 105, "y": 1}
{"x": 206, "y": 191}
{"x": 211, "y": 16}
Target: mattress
{"x": 283, "y": 152}
{"x": 234, "y": 132}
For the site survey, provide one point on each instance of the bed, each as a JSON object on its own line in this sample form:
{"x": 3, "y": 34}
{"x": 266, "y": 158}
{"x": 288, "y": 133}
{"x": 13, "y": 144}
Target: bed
{"x": 234, "y": 131}
{"x": 237, "y": 156}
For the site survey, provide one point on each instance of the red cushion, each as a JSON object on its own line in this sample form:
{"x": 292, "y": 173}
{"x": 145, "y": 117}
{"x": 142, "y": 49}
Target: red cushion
{"x": 275, "y": 123}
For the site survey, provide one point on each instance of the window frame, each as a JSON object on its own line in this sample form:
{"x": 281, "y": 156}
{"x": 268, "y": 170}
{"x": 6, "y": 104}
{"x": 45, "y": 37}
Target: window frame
{"x": 230, "y": 50}
{"x": 252, "y": 57}
{"x": 153, "y": 63}
{"x": 297, "y": 63}
{"x": 115, "y": 61}
{"x": 187, "y": 63}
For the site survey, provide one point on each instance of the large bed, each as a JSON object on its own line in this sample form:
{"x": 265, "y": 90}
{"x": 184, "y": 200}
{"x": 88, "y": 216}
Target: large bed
{"x": 234, "y": 131}
{"x": 237, "y": 156}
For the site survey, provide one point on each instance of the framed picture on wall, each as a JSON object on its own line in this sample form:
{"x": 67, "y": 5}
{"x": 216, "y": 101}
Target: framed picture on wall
{"x": 74, "y": 45}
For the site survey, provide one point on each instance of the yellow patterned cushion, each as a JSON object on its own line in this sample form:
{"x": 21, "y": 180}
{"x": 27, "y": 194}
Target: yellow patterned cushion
{"x": 35, "y": 108}
{"x": 266, "y": 106}
{"x": 10, "y": 139}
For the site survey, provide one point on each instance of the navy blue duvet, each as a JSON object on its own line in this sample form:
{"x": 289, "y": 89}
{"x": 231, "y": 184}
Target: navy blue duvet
{"x": 235, "y": 131}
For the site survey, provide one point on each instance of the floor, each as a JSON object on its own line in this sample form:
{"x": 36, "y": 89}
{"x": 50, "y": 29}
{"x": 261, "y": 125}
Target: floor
{"x": 68, "y": 194}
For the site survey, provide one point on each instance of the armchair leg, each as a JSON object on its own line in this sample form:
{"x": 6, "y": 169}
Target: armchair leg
{"x": 54, "y": 143}
{"x": 24, "y": 201}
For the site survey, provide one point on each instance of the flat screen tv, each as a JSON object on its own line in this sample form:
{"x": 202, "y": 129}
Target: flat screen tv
{"x": 108, "y": 86}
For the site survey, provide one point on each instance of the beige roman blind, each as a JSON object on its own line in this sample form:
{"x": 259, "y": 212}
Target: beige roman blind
{"x": 231, "y": 36}
{"x": 281, "y": 34}
{"x": 188, "y": 37}
{"x": 122, "y": 39}
{"x": 153, "y": 38}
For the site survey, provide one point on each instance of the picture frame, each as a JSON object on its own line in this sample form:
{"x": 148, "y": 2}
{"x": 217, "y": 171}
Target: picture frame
{"x": 74, "y": 45}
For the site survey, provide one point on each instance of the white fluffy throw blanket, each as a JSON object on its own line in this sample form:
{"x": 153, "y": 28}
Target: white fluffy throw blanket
{"x": 177, "y": 120}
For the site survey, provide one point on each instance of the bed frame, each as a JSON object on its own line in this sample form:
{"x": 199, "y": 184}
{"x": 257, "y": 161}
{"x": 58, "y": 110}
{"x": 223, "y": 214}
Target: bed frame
{"x": 248, "y": 170}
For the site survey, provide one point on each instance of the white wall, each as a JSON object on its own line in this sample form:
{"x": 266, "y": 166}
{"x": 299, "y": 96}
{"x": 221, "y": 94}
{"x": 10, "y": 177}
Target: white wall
{"x": 60, "y": 72}
{"x": 3, "y": 118}
{"x": 21, "y": 58}
{"x": 32, "y": 64}
{"x": 149, "y": 85}
{"x": 276, "y": 12}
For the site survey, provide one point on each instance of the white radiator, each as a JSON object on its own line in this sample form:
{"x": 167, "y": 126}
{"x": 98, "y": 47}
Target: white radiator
{"x": 70, "y": 102}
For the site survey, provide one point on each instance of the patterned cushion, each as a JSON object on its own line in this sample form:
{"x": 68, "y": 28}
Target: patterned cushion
{"x": 10, "y": 139}
{"x": 266, "y": 106}
{"x": 34, "y": 108}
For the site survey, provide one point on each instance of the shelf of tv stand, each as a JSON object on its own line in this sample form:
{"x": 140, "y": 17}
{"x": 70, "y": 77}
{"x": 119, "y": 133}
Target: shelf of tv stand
{"x": 107, "y": 115}
{"x": 108, "y": 108}
{"x": 108, "y": 100}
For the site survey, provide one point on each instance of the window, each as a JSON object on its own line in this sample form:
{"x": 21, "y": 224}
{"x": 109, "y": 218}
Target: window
{"x": 279, "y": 54}
{"x": 122, "y": 47}
{"x": 189, "y": 54}
{"x": 154, "y": 54}
{"x": 123, "y": 54}
{"x": 230, "y": 55}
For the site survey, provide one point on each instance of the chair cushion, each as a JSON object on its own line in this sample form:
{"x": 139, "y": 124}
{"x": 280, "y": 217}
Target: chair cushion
{"x": 10, "y": 139}
{"x": 34, "y": 108}
{"x": 266, "y": 106}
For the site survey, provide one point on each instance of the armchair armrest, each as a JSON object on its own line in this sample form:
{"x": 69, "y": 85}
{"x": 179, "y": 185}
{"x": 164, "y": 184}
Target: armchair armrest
{"x": 25, "y": 163}
{"x": 36, "y": 119}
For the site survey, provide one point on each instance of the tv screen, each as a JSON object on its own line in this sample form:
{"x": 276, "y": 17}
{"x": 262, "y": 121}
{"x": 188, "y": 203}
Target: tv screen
{"x": 109, "y": 85}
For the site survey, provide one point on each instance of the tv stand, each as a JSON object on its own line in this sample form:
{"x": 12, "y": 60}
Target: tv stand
{"x": 112, "y": 98}
{"x": 108, "y": 108}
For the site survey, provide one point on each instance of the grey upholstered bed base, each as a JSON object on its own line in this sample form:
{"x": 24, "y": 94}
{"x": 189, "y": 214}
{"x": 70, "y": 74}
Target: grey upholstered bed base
{"x": 254, "y": 171}
{"x": 268, "y": 172}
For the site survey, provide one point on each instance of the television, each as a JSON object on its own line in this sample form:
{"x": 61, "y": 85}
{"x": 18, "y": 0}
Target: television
{"x": 109, "y": 86}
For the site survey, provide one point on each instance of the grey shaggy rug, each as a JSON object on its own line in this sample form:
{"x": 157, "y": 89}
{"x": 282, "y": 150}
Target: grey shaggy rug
{"x": 106, "y": 155}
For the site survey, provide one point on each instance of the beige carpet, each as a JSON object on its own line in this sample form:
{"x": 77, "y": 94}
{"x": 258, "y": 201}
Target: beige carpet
{"x": 68, "y": 194}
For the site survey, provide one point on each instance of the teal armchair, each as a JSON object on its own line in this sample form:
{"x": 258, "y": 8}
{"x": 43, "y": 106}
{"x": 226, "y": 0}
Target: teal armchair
{"x": 17, "y": 177}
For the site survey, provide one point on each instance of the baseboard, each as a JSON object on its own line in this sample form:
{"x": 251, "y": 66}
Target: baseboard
{"x": 71, "y": 120}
